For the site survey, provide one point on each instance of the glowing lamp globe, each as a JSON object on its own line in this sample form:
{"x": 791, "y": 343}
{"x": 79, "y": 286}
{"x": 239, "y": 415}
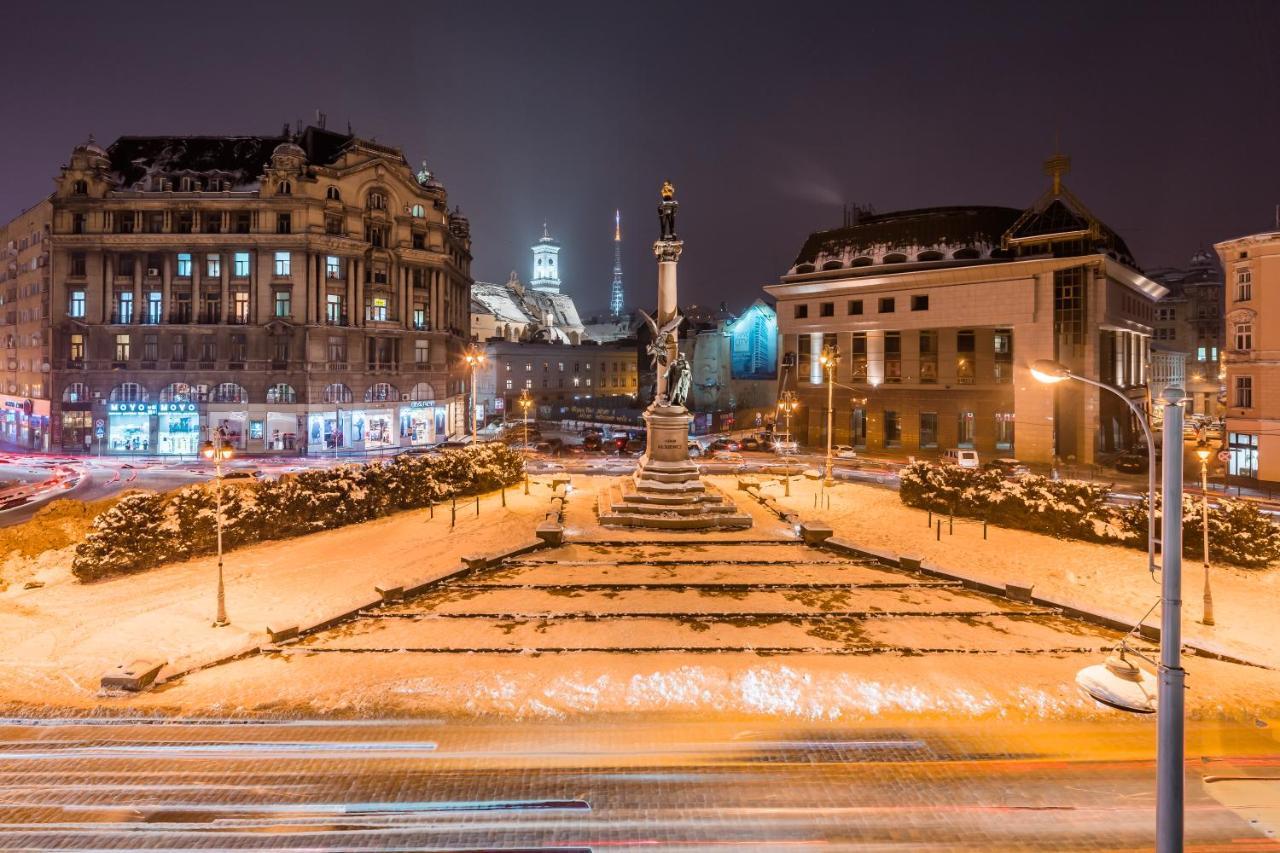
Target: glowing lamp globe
{"x": 1119, "y": 683}
{"x": 1048, "y": 371}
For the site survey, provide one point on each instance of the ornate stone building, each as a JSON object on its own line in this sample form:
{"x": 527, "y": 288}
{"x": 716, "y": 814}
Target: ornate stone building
{"x": 307, "y": 293}
{"x": 1190, "y": 320}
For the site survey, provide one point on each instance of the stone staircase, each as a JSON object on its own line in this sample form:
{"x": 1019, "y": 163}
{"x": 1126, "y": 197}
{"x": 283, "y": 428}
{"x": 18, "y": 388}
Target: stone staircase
{"x": 699, "y": 506}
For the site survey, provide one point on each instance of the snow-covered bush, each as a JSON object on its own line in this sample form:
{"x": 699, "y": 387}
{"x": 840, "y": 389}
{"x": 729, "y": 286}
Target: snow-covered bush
{"x": 1062, "y": 508}
{"x": 1238, "y": 532}
{"x": 144, "y": 530}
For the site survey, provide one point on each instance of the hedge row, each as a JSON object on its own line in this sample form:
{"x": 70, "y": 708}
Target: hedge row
{"x": 143, "y": 530}
{"x": 1070, "y": 509}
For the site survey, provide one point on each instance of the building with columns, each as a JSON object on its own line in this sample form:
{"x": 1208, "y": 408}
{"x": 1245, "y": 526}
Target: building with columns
{"x": 307, "y": 293}
{"x": 937, "y": 314}
{"x": 1251, "y": 266}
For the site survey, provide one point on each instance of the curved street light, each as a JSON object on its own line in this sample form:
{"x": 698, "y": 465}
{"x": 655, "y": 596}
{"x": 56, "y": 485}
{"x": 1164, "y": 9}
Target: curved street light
{"x": 475, "y": 358}
{"x": 218, "y": 451}
{"x": 525, "y": 402}
{"x": 1203, "y": 452}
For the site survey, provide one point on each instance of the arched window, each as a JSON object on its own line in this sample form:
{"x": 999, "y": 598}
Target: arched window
{"x": 895, "y": 258}
{"x": 377, "y": 201}
{"x": 229, "y": 392}
{"x": 832, "y": 265}
{"x": 929, "y": 256}
{"x": 337, "y": 393}
{"x": 804, "y": 268}
{"x": 332, "y": 194}
{"x": 418, "y": 211}
{"x": 76, "y": 392}
{"x": 281, "y": 393}
{"x": 177, "y": 392}
{"x": 285, "y": 188}
{"x": 80, "y": 188}
{"x": 128, "y": 392}
{"x": 381, "y": 392}
{"x": 864, "y": 261}
{"x": 422, "y": 392}
{"x": 967, "y": 254}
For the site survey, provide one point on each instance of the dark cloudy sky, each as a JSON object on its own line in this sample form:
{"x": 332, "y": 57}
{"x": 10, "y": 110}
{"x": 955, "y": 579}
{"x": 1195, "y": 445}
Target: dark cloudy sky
{"x": 767, "y": 116}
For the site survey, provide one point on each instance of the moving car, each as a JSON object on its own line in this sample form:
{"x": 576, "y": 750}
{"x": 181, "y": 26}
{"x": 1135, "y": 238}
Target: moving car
{"x": 961, "y": 458}
{"x": 844, "y": 451}
{"x": 695, "y": 449}
{"x": 727, "y": 457}
{"x": 1008, "y": 467}
{"x": 724, "y": 443}
{"x": 750, "y": 443}
{"x": 784, "y": 443}
{"x": 1132, "y": 462}
{"x": 592, "y": 441}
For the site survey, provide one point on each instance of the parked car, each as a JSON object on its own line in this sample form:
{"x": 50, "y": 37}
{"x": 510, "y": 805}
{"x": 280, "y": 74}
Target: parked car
{"x": 750, "y": 443}
{"x": 1008, "y": 467}
{"x": 961, "y": 458}
{"x": 724, "y": 443}
{"x": 784, "y": 443}
{"x": 844, "y": 451}
{"x": 1132, "y": 462}
{"x": 695, "y": 450}
{"x": 592, "y": 441}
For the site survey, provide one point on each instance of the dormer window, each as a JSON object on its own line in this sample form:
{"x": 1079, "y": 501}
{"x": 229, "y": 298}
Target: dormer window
{"x": 80, "y": 188}
{"x": 332, "y": 194}
{"x": 285, "y": 188}
{"x": 185, "y": 185}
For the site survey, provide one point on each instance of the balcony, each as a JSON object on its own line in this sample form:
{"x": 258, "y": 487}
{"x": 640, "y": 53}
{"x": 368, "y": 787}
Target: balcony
{"x": 337, "y": 321}
{"x": 121, "y": 318}
{"x": 180, "y": 316}
{"x": 234, "y": 319}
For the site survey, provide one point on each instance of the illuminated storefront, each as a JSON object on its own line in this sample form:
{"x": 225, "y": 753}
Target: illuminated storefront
{"x": 25, "y": 422}
{"x": 418, "y": 423}
{"x": 166, "y": 429}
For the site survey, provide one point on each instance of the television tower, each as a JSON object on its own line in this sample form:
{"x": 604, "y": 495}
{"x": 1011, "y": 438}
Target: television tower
{"x": 615, "y": 297}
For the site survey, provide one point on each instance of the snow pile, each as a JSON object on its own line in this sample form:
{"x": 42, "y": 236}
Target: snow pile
{"x": 144, "y": 530}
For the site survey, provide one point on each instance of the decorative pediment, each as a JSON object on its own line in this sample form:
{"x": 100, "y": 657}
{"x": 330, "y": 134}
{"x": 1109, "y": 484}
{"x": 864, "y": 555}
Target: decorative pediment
{"x": 1242, "y": 315}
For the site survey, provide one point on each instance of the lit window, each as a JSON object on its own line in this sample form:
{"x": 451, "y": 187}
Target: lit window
{"x": 76, "y": 307}
{"x": 510, "y": 384}
{"x": 242, "y": 265}
{"x": 332, "y": 267}
{"x": 184, "y": 265}
{"x": 282, "y": 303}
{"x": 213, "y": 266}
{"x": 1244, "y": 392}
{"x": 283, "y": 263}
{"x": 122, "y": 349}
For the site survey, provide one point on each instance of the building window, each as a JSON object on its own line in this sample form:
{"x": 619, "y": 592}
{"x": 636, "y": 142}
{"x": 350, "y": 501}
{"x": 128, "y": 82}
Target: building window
{"x": 419, "y": 317}
{"x": 283, "y": 264}
{"x": 280, "y": 352}
{"x": 124, "y": 307}
{"x": 886, "y": 304}
{"x": 333, "y": 309}
{"x": 178, "y": 348}
{"x": 332, "y": 267}
{"x": 77, "y": 265}
{"x": 241, "y": 268}
{"x": 79, "y": 188}
{"x": 377, "y": 309}
{"x": 1244, "y": 392}
{"x": 285, "y": 188}
{"x": 332, "y": 194}
{"x": 965, "y": 429}
{"x": 928, "y": 357}
{"x": 1243, "y": 447}
{"x": 855, "y": 307}
{"x": 1004, "y": 431}
{"x": 284, "y": 223}
{"x": 417, "y": 211}
{"x": 421, "y": 352}
{"x": 1244, "y": 285}
{"x": 124, "y": 265}
{"x": 966, "y": 345}
{"x": 928, "y": 429}
{"x": 76, "y": 351}
{"x": 243, "y": 222}
{"x": 213, "y": 266}
{"x": 801, "y": 312}
{"x": 511, "y": 384}
{"x": 184, "y": 265}
{"x": 76, "y": 306}
{"x": 858, "y": 426}
{"x": 920, "y": 302}
{"x": 155, "y": 307}
{"x": 281, "y": 393}
{"x": 122, "y": 347}
{"x": 826, "y": 309}
{"x": 377, "y": 201}
{"x": 892, "y": 428}
{"x": 333, "y": 225}
{"x": 893, "y": 358}
{"x": 240, "y": 307}
{"x": 282, "y": 303}
{"x": 212, "y": 222}
{"x": 337, "y": 351}
{"x": 1244, "y": 336}
{"x": 150, "y": 348}
{"x": 1003, "y": 342}
{"x": 77, "y": 223}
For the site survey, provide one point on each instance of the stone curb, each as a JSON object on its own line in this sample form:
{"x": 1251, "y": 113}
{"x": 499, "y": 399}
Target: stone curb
{"x": 1023, "y": 594}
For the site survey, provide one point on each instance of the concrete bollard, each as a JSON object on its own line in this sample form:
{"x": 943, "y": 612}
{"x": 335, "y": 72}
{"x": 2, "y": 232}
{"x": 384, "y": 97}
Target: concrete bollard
{"x": 133, "y": 677}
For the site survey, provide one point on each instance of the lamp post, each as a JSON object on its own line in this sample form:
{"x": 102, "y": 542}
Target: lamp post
{"x": 217, "y": 451}
{"x": 830, "y": 358}
{"x": 787, "y": 404}
{"x": 1170, "y": 700}
{"x": 1203, "y": 452}
{"x": 525, "y": 402}
{"x": 1051, "y": 373}
{"x": 475, "y": 358}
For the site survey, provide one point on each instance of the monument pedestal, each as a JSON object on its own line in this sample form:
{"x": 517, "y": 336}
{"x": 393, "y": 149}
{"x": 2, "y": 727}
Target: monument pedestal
{"x": 667, "y": 491}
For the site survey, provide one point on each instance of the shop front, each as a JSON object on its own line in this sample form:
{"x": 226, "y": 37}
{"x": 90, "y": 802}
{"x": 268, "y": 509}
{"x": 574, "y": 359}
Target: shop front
{"x": 418, "y": 423}
{"x": 165, "y": 429}
{"x": 25, "y": 422}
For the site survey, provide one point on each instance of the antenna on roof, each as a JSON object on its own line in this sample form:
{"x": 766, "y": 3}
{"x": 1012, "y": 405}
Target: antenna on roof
{"x": 321, "y": 119}
{"x": 350, "y": 132}
{"x": 285, "y": 132}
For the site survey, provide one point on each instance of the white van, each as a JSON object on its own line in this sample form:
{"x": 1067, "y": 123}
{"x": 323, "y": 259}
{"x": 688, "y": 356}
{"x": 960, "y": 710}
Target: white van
{"x": 961, "y": 458}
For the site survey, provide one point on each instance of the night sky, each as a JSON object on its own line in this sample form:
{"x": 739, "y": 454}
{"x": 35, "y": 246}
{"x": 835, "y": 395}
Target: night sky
{"x": 766, "y": 116}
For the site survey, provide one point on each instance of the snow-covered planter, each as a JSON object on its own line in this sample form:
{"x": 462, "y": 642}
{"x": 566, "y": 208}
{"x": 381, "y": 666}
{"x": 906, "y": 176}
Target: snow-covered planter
{"x": 1063, "y": 508}
{"x": 145, "y": 530}
{"x": 1238, "y": 532}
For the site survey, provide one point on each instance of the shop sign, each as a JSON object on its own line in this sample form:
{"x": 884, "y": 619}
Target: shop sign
{"x": 149, "y": 408}
{"x": 419, "y": 404}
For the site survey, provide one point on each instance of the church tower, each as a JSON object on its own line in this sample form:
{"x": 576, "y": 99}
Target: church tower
{"x": 615, "y": 296}
{"x": 546, "y": 265}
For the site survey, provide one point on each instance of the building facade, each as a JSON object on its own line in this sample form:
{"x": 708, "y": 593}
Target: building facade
{"x": 24, "y": 295}
{"x": 306, "y": 294}
{"x": 937, "y": 314}
{"x": 514, "y": 312}
{"x": 1251, "y": 266}
{"x": 556, "y": 376}
{"x": 1190, "y": 320}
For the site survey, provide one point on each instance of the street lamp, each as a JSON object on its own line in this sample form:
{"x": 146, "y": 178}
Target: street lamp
{"x": 830, "y": 358}
{"x": 475, "y": 359}
{"x": 787, "y": 404}
{"x": 525, "y": 402}
{"x": 1170, "y": 701}
{"x": 217, "y": 451}
{"x": 1051, "y": 373}
{"x": 1203, "y": 452}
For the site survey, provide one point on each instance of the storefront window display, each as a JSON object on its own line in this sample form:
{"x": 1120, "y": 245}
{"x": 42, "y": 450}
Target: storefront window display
{"x": 281, "y": 431}
{"x": 178, "y": 433}
{"x": 234, "y": 426}
{"x": 417, "y": 424}
{"x": 378, "y": 429}
{"x": 171, "y": 429}
{"x": 130, "y": 433}
{"x": 329, "y": 431}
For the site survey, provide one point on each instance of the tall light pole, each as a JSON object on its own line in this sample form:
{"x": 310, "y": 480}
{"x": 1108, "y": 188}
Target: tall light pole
{"x": 217, "y": 448}
{"x": 525, "y": 402}
{"x": 1203, "y": 452}
{"x": 1170, "y": 699}
{"x": 787, "y": 404}
{"x": 475, "y": 358}
{"x": 830, "y": 358}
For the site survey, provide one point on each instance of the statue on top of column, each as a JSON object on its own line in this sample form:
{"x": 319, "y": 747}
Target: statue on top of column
{"x": 667, "y": 212}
